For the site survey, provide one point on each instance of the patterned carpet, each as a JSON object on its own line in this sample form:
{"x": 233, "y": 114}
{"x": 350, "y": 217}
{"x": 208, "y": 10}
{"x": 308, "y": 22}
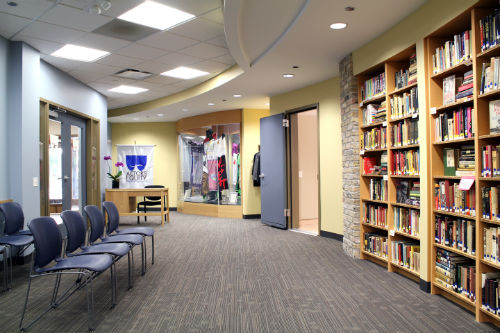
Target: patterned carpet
{"x": 224, "y": 275}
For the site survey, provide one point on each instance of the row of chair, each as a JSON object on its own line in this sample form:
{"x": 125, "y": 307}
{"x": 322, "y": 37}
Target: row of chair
{"x": 86, "y": 259}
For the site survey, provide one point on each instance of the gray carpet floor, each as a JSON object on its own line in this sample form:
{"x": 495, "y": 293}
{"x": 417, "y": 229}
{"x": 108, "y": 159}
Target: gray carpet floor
{"x": 226, "y": 275}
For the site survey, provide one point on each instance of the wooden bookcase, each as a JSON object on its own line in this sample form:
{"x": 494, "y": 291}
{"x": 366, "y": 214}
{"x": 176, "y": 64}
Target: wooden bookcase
{"x": 396, "y": 63}
{"x": 469, "y": 20}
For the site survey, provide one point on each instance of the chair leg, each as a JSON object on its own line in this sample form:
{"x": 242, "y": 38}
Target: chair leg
{"x": 25, "y": 302}
{"x": 145, "y": 211}
{"x": 130, "y": 278}
{"x": 143, "y": 263}
{"x": 113, "y": 285}
{"x": 4, "y": 260}
{"x": 145, "y": 255}
{"x": 55, "y": 291}
{"x": 10, "y": 260}
{"x": 153, "y": 249}
{"x": 90, "y": 304}
{"x": 138, "y": 210}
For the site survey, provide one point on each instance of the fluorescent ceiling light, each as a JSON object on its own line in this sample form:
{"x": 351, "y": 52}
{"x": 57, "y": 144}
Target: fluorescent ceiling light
{"x": 338, "y": 26}
{"x": 211, "y": 104}
{"x": 236, "y": 95}
{"x": 155, "y": 15}
{"x": 80, "y": 53}
{"x": 123, "y": 89}
{"x": 160, "y": 115}
{"x": 288, "y": 75}
{"x": 185, "y": 73}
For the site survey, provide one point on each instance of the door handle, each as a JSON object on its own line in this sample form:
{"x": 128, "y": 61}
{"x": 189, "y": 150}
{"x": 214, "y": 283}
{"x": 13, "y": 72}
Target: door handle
{"x": 66, "y": 178}
{"x": 261, "y": 175}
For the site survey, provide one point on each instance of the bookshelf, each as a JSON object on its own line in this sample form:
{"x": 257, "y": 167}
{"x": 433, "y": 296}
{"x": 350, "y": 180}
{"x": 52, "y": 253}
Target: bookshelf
{"x": 457, "y": 224}
{"x": 390, "y": 224}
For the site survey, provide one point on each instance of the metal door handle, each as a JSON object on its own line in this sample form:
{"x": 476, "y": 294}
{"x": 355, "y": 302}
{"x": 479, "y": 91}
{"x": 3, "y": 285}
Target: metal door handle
{"x": 66, "y": 178}
{"x": 261, "y": 175}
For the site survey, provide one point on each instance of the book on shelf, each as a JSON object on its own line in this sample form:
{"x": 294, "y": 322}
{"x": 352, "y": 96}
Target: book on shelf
{"x": 369, "y": 163}
{"x": 405, "y": 104}
{"x": 383, "y": 163}
{"x": 454, "y": 125}
{"x": 456, "y": 273}
{"x": 406, "y": 254}
{"x": 455, "y": 232}
{"x": 374, "y": 113}
{"x": 378, "y": 189}
{"x": 374, "y": 138}
{"x": 490, "y": 161}
{"x": 375, "y": 214}
{"x": 404, "y": 132}
{"x": 373, "y": 87}
{"x": 494, "y": 111}
{"x": 491, "y": 244}
{"x": 376, "y": 243}
{"x": 490, "y": 292}
{"x": 406, "y": 77}
{"x": 450, "y": 88}
{"x": 407, "y": 220}
{"x": 490, "y": 75}
{"x": 490, "y": 202}
{"x": 452, "y": 52}
{"x": 489, "y": 30}
{"x": 449, "y": 198}
{"x": 408, "y": 192}
{"x": 450, "y": 156}
{"x": 406, "y": 162}
{"x": 466, "y": 88}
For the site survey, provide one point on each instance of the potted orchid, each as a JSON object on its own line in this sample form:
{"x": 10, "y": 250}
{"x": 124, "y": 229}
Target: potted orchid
{"x": 115, "y": 177}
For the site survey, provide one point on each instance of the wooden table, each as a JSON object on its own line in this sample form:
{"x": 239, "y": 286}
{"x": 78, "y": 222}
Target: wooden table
{"x": 126, "y": 201}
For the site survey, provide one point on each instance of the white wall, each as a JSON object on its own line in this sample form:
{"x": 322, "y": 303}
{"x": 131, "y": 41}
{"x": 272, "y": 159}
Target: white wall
{"x": 3, "y": 119}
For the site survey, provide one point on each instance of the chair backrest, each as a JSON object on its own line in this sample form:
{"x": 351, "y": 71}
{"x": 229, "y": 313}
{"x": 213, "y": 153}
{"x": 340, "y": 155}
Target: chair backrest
{"x": 113, "y": 216}
{"x": 75, "y": 228}
{"x": 96, "y": 219}
{"x": 154, "y": 186}
{"x": 47, "y": 239}
{"x": 14, "y": 217}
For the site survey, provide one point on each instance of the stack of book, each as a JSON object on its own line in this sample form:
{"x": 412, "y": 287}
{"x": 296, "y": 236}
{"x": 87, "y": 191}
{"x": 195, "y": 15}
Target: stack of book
{"x": 406, "y": 254}
{"x": 489, "y": 201}
{"x": 369, "y": 164}
{"x": 491, "y": 244}
{"x": 373, "y": 87}
{"x": 452, "y": 52}
{"x": 405, "y": 133}
{"x": 406, "y": 163}
{"x": 415, "y": 193}
{"x": 494, "y": 111}
{"x": 404, "y": 78}
{"x": 408, "y": 192}
{"x": 466, "y": 89}
{"x": 374, "y": 113}
{"x": 454, "y": 125}
{"x": 405, "y": 104}
{"x": 489, "y": 30}
{"x": 466, "y": 161}
{"x": 407, "y": 220}
{"x": 490, "y": 76}
{"x": 490, "y": 161}
{"x": 412, "y": 75}
{"x": 450, "y": 87}
{"x": 456, "y": 273}
{"x": 455, "y": 232}
{"x": 376, "y": 243}
{"x": 490, "y": 292}
{"x": 375, "y": 215}
{"x": 378, "y": 189}
{"x": 376, "y": 138}
{"x": 383, "y": 163}
{"x": 448, "y": 197}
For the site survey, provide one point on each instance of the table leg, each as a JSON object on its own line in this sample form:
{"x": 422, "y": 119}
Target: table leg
{"x": 168, "y": 209}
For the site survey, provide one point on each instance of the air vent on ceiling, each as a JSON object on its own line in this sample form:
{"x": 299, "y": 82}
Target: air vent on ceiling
{"x": 125, "y": 30}
{"x": 133, "y": 74}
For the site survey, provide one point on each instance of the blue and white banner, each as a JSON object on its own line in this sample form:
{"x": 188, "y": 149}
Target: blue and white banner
{"x": 138, "y": 165}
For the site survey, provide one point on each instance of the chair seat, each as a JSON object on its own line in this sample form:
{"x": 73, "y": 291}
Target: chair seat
{"x": 131, "y": 238}
{"x": 24, "y": 232}
{"x": 16, "y": 240}
{"x": 145, "y": 231}
{"x": 150, "y": 203}
{"x": 91, "y": 262}
{"x": 116, "y": 249}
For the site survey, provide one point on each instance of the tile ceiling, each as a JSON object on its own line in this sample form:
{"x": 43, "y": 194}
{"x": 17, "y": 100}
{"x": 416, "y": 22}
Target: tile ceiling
{"x": 48, "y": 25}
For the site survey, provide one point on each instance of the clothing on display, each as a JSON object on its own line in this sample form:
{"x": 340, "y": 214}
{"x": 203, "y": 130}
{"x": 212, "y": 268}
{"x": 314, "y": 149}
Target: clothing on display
{"x": 256, "y": 169}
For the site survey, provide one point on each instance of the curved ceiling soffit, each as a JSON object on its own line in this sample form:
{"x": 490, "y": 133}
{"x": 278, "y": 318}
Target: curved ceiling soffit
{"x": 181, "y": 96}
{"x": 240, "y": 12}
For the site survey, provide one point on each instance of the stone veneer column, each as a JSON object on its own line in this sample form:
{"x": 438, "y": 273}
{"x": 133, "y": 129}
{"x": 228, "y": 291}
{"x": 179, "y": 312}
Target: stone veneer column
{"x": 350, "y": 156}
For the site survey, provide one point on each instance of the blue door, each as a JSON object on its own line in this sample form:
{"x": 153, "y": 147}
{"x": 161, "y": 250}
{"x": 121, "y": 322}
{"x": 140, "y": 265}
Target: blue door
{"x": 273, "y": 171}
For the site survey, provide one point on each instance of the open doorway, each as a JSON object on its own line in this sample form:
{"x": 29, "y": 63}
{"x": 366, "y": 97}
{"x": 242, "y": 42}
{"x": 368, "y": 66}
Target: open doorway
{"x": 304, "y": 171}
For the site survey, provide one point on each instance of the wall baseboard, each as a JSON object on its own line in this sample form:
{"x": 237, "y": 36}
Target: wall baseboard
{"x": 331, "y": 235}
{"x": 425, "y": 286}
{"x": 252, "y": 216}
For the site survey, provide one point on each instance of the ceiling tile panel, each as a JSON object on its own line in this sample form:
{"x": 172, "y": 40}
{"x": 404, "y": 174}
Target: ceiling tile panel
{"x": 26, "y": 8}
{"x": 43, "y": 46}
{"x": 121, "y": 6}
{"x": 63, "y": 64}
{"x": 74, "y": 18}
{"x": 226, "y": 59}
{"x": 141, "y": 51}
{"x": 101, "y": 42}
{"x": 199, "y": 29}
{"x": 215, "y": 16}
{"x": 114, "y": 81}
{"x": 219, "y": 41}
{"x": 195, "y": 7}
{"x": 85, "y": 76}
{"x": 162, "y": 80}
{"x": 177, "y": 59}
{"x": 119, "y": 61}
{"x": 53, "y": 33}
{"x": 167, "y": 41}
{"x": 211, "y": 66}
{"x": 11, "y": 24}
{"x": 94, "y": 67}
{"x": 151, "y": 66}
{"x": 204, "y": 51}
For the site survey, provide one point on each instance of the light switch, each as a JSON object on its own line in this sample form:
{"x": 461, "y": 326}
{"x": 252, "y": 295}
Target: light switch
{"x": 35, "y": 181}
{"x": 300, "y": 174}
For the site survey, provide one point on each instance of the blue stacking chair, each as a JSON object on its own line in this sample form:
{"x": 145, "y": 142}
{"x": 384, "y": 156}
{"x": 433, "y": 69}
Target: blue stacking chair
{"x": 113, "y": 224}
{"x": 14, "y": 235}
{"x": 76, "y": 231}
{"x": 3, "y": 252}
{"x": 97, "y": 223}
{"x": 48, "y": 262}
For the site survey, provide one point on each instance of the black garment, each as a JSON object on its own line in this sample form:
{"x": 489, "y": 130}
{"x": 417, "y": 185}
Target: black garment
{"x": 222, "y": 173}
{"x": 256, "y": 169}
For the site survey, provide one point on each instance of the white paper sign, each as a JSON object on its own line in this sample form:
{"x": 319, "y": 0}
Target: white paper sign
{"x": 138, "y": 165}
{"x": 384, "y": 124}
{"x": 361, "y": 152}
{"x": 392, "y": 232}
{"x": 466, "y": 182}
{"x": 433, "y": 110}
{"x": 385, "y": 177}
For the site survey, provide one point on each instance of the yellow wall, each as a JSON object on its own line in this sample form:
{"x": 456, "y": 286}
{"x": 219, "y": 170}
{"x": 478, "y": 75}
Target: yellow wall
{"x": 327, "y": 94}
{"x": 164, "y": 136}
{"x": 249, "y": 146}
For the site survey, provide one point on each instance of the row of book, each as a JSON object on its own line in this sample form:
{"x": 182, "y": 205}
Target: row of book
{"x": 456, "y": 233}
{"x": 375, "y": 215}
{"x": 459, "y": 161}
{"x": 373, "y": 87}
{"x": 454, "y": 125}
{"x": 490, "y": 157}
{"x": 456, "y": 273}
{"x": 448, "y": 197}
{"x": 407, "y": 220}
{"x": 373, "y": 165}
{"x": 452, "y": 52}
{"x": 378, "y": 189}
{"x": 376, "y": 243}
{"x": 403, "y": 78}
{"x": 374, "y": 113}
{"x": 457, "y": 87}
{"x": 489, "y": 30}
{"x": 404, "y": 133}
{"x": 494, "y": 112}
{"x": 375, "y": 138}
{"x": 489, "y": 200}
{"x": 406, "y": 254}
{"x": 490, "y": 292}
{"x": 406, "y": 162}
{"x": 405, "y": 104}
{"x": 491, "y": 244}
{"x": 408, "y": 192}
{"x": 490, "y": 75}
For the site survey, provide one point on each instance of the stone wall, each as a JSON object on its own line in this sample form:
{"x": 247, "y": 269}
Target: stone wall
{"x": 350, "y": 156}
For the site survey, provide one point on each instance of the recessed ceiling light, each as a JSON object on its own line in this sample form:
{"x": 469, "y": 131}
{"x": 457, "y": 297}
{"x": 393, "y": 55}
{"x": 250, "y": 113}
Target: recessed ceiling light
{"x": 124, "y": 89}
{"x": 211, "y": 104}
{"x": 185, "y": 110}
{"x": 236, "y": 95}
{"x": 155, "y": 15}
{"x": 80, "y": 53}
{"x": 185, "y": 73}
{"x": 295, "y": 66}
{"x": 338, "y": 26}
{"x": 136, "y": 119}
{"x": 160, "y": 114}
{"x": 288, "y": 75}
